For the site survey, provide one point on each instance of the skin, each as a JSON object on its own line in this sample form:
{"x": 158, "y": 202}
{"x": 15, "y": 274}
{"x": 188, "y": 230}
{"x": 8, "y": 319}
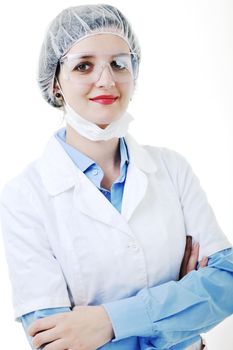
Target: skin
{"x": 78, "y": 95}
{"x": 190, "y": 259}
{"x": 89, "y": 327}
{"x": 105, "y": 153}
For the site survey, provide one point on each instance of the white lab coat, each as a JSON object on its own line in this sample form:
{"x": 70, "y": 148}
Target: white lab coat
{"x": 67, "y": 245}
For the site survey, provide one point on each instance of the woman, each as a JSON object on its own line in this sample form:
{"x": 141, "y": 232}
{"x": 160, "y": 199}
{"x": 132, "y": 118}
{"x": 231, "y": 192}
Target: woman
{"x": 95, "y": 229}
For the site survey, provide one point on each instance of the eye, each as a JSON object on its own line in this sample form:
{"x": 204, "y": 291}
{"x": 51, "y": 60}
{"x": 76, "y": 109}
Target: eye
{"x": 118, "y": 65}
{"x": 82, "y": 67}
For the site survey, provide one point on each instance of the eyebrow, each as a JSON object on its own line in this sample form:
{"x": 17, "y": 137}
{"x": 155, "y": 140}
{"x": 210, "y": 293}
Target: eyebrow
{"x": 92, "y": 56}
{"x": 84, "y": 56}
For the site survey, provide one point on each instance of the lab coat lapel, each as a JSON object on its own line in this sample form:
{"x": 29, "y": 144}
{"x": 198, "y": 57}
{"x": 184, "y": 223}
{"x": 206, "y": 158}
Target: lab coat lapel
{"x": 94, "y": 204}
{"x": 60, "y": 174}
{"x": 141, "y": 164}
{"x": 91, "y": 202}
{"x": 134, "y": 191}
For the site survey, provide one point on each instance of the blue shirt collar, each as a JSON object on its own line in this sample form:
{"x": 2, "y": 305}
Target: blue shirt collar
{"x": 82, "y": 161}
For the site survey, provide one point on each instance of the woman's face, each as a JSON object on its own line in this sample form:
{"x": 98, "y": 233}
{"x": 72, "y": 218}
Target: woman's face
{"x": 79, "y": 96}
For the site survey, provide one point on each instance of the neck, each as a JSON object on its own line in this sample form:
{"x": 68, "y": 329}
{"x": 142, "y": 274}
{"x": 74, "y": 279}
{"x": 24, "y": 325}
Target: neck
{"x": 105, "y": 153}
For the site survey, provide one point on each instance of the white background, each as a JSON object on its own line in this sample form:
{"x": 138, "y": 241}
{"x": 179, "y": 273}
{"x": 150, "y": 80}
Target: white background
{"x": 183, "y": 101}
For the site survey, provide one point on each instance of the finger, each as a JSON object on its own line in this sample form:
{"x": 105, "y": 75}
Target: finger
{"x": 187, "y": 253}
{"x": 43, "y": 324}
{"x": 45, "y": 337}
{"x": 188, "y": 246}
{"x": 59, "y": 344}
{"x": 188, "y": 250}
{"x": 192, "y": 264}
{"x": 204, "y": 262}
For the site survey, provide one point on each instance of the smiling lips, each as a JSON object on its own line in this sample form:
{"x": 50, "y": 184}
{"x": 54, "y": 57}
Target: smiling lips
{"x": 104, "y": 99}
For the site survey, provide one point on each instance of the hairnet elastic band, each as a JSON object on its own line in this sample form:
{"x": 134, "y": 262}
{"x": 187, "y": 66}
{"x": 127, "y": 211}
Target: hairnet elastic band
{"x": 92, "y": 34}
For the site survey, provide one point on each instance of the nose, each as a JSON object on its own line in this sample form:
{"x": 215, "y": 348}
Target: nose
{"x": 105, "y": 78}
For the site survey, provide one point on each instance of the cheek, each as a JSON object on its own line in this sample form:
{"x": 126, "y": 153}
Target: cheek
{"x": 76, "y": 94}
{"x": 127, "y": 91}
{"x": 73, "y": 93}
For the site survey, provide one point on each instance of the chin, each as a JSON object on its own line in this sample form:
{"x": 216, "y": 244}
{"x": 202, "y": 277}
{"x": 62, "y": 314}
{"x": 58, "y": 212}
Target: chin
{"x": 104, "y": 120}
{"x": 102, "y": 126}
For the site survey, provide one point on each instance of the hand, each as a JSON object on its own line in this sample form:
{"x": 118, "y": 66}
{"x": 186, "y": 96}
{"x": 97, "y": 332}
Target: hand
{"x": 190, "y": 258}
{"x": 84, "y": 328}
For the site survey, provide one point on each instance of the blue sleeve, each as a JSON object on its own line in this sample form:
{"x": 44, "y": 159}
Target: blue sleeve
{"x": 176, "y": 311}
{"x": 27, "y": 319}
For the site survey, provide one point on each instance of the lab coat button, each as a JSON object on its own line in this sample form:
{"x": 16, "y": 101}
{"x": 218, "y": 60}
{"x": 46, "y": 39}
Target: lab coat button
{"x": 95, "y": 172}
{"x": 133, "y": 246}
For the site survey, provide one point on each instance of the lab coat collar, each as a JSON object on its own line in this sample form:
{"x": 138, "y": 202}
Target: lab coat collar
{"x": 139, "y": 156}
{"x": 59, "y": 173}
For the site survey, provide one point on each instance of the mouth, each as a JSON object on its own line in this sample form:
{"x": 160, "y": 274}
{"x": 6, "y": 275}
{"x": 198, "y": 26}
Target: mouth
{"x": 104, "y": 99}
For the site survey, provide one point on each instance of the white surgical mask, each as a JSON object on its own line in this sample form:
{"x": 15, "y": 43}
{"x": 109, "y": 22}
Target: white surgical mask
{"x": 117, "y": 128}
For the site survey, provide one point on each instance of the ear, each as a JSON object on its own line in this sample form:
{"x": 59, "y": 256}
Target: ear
{"x": 57, "y": 93}
{"x": 56, "y": 87}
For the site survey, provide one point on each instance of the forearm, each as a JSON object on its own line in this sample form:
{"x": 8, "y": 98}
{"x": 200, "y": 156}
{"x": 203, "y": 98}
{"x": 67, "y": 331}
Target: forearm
{"x": 177, "y": 310}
